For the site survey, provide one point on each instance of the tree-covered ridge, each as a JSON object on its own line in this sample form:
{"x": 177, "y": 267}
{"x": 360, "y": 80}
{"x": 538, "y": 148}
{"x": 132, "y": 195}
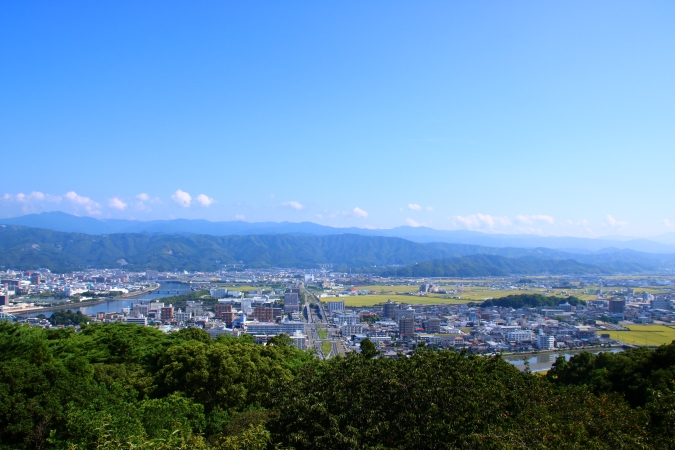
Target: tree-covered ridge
{"x": 494, "y": 265}
{"x": 28, "y": 248}
{"x": 126, "y": 386}
{"x": 530, "y": 301}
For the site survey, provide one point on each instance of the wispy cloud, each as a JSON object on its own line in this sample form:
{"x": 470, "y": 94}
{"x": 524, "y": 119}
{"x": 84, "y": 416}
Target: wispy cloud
{"x": 414, "y": 206}
{"x": 412, "y": 222}
{"x": 143, "y": 199}
{"x": 481, "y": 222}
{"x": 614, "y": 223}
{"x": 182, "y": 198}
{"x": 530, "y": 219}
{"x": 294, "y": 205}
{"x": 89, "y": 205}
{"x": 33, "y": 197}
{"x": 116, "y": 203}
{"x": 205, "y": 200}
{"x": 240, "y": 217}
{"x": 358, "y": 212}
{"x": 667, "y": 223}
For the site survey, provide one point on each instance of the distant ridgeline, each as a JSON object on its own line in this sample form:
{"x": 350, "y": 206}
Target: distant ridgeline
{"x": 530, "y": 301}
{"x": 28, "y": 248}
{"x": 493, "y": 266}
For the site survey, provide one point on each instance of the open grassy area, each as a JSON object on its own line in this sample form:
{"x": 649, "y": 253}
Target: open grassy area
{"x": 370, "y": 300}
{"x": 390, "y": 289}
{"x": 323, "y": 334}
{"x": 326, "y": 347}
{"x": 645, "y": 335}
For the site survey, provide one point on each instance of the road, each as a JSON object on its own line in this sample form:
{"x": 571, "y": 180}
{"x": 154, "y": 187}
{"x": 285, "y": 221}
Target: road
{"x": 315, "y": 316}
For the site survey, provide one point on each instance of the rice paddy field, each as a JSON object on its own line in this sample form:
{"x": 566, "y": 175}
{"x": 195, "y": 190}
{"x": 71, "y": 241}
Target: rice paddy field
{"x": 465, "y": 294}
{"x": 371, "y": 300}
{"x": 645, "y": 335}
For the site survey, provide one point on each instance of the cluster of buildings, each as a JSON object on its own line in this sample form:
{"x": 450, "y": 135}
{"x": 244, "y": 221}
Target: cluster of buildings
{"x": 41, "y": 288}
{"x": 397, "y": 328}
{"x": 256, "y": 312}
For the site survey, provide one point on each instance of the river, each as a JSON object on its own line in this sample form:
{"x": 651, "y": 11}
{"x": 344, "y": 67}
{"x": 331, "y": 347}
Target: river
{"x": 112, "y": 306}
{"x": 541, "y": 362}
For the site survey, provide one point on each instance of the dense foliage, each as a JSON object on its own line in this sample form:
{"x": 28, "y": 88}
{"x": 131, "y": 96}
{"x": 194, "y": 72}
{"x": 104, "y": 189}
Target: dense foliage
{"x": 530, "y": 301}
{"x": 126, "y": 386}
{"x": 68, "y": 317}
{"x": 28, "y": 248}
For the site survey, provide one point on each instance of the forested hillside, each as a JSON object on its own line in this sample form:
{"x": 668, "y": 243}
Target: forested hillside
{"x": 125, "y": 386}
{"x": 492, "y": 265}
{"x": 29, "y": 248}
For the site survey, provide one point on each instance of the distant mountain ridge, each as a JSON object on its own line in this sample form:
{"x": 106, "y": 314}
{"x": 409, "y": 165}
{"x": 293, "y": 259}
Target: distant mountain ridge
{"x": 29, "y": 248}
{"x": 59, "y": 221}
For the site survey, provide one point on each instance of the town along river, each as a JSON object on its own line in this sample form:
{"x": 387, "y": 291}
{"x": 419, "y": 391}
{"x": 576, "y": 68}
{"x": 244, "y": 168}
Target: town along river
{"x": 541, "y": 362}
{"x": 112, "y": 306}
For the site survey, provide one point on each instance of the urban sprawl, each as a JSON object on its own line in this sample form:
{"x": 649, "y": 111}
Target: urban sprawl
{"x": 319, "y": 309}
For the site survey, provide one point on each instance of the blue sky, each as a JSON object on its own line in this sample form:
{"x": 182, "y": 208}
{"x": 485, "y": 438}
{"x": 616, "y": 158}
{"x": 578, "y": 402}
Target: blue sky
{"x": 519, "y": 117}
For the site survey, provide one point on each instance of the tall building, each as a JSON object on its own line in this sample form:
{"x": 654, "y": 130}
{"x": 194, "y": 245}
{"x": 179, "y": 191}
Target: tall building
{"x": 406, "y": 326}
{"x": 545, "y": 342}
{"x": 151, "y": 274}
{"x": 336, "y": 306}
{"x": 617, "y": 306}
{"x": 218, "y": 292}
{"x": 35, "y": 278}
{"x": 223, "y": 311}
{"x": 263, "y": 314}
{"x": 291, "y": 302}
{"x": 433, "y": 325}
{"x": 166, "y": 313}
{"x": 389, "y": 309}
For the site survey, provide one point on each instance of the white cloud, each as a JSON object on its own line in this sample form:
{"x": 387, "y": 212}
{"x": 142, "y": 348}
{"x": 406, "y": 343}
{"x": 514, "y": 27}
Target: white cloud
{"x": 240, "y": 217}
{"x": 294, "y": 205}
{"x": 414, "y": 206}
{"x": 667, "y": 223}
{"x": 88, "y": 204}
{"x": 182, "y": 198}
{"x": 205, "y": 200}
{"x": 481, "y": 221}
{"x": 530, "y": 219}
{"x": 613, "y": 223}
{"x": 358, "y": 212}
{"x": 430, "y": 208}
{"x": 35, "y": 196}
{"x": 116, "y": 203}
{"x": 412, "y": 223}
{"x": 144, "y": 198}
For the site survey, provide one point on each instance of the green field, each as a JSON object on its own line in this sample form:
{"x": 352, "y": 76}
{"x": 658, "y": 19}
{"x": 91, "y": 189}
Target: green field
{"x": 323, "y": 334}
{"x": 390, "y": 289}
{"x": 326, "y": 347}
{"x": 645, "y": 335}
{"x": 370, "y": 300}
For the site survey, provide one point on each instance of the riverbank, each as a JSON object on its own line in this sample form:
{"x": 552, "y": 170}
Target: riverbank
{"x": 73, "y": 305}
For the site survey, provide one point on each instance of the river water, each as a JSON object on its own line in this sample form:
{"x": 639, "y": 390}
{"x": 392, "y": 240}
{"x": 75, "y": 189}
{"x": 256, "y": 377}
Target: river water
{"x": 112, "y": 306}
{"x": 544, "y": 361}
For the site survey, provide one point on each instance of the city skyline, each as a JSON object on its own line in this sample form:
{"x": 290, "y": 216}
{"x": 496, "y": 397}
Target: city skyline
{"x": 548, "y": 119}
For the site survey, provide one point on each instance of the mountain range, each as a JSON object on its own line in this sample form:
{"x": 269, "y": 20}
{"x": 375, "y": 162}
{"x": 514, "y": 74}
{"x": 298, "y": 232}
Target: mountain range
{"x": 59, "y": 221}
{"x": 30, "y": 248}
